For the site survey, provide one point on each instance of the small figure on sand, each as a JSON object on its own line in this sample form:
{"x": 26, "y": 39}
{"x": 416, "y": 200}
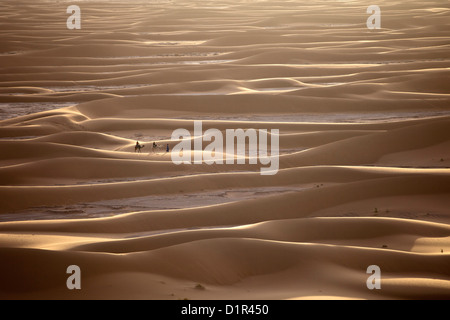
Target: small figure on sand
{"x": 167, "y": 148}
{"x": 138, "y": 147}
{"x": 155, "y": 145}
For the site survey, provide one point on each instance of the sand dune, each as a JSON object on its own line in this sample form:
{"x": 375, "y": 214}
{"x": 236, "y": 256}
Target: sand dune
{"x": 363, "y": 119}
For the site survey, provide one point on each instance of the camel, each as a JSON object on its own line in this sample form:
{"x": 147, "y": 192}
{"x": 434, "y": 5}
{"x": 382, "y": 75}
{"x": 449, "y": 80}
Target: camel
{"x": 138, "y": 147}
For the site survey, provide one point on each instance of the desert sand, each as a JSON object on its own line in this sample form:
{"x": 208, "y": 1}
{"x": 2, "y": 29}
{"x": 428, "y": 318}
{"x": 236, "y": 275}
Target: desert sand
{"x": 364, "y": 179}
